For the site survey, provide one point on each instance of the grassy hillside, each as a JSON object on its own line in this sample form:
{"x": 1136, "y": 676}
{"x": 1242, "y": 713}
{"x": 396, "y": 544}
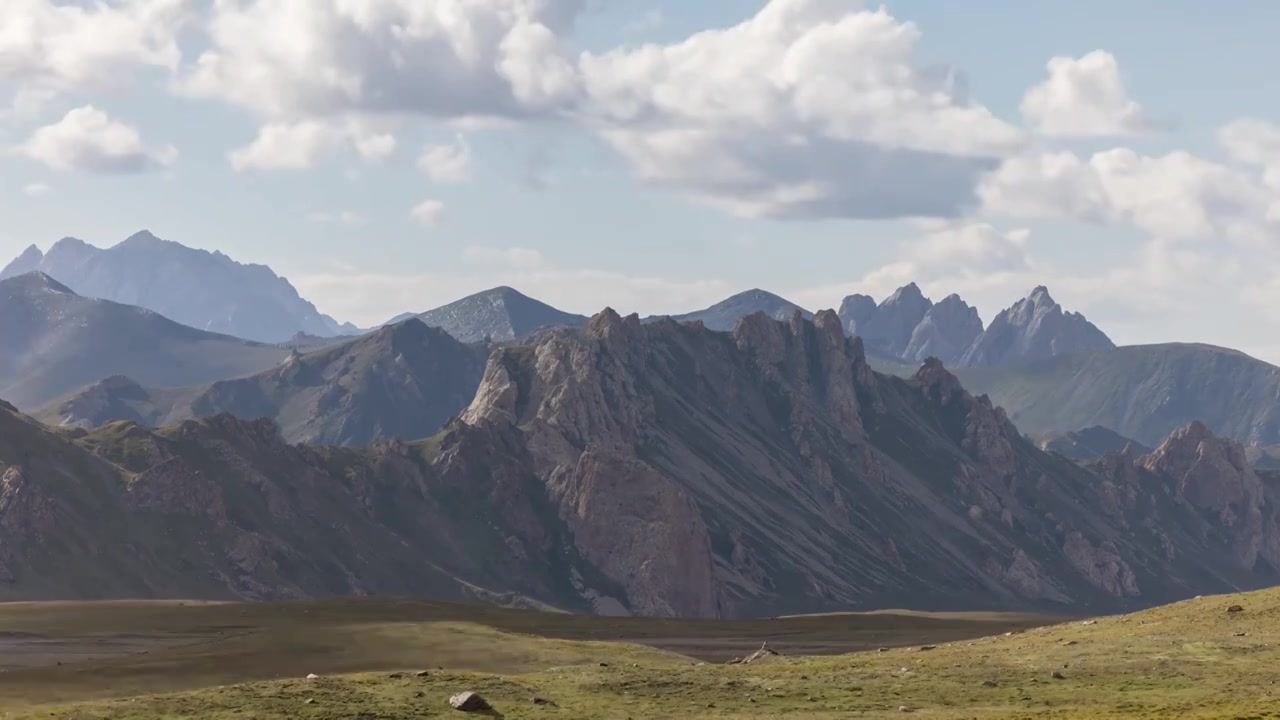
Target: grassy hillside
{"x": 1142, "y": 392}
{"x": 1189, "y": 660}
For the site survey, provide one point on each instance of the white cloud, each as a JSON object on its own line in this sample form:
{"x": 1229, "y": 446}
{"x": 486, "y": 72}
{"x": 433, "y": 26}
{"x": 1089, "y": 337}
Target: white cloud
{"x": 1083, "y": 97}
{"x": 442, "y": 59}
{"x": 36, "y": 190}
{"x": 811, "y": 108}
{"x": 428, "y": 212}
{"x": 87, "y": 140}
{"x": 376, "y": 146}
{"x": 287, "y": 146}
{"x": 448, "y": 163}
{"x": 1254, "y": 142}
{"x": 48, "y": 46}
{"x": 345, "y": 217}
{"x": 1176, "y": 196}
{"x": 302, "y": 145}
{"x": 516, "y": 257}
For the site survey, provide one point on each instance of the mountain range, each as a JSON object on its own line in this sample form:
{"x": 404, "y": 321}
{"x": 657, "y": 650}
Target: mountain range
{"x": 1142, "y": 392}
{"x": 401, "y": 381}
{"x": 655, "y": 468}
{"x": 53, "y": 341}
{"x": 204, "y": 290}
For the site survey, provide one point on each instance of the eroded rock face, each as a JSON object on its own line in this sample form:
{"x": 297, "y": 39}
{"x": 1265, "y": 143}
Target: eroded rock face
{"x": 1213, "y": 475}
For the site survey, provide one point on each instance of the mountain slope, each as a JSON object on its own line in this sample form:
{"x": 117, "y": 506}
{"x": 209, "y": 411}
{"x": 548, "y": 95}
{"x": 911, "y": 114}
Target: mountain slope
{"x": 1035, "y": 328}
{"x": 53, "y": 341}
{"x": 402, "y": 381}
{"x": 1143, "y": 392}
{"x": 222, "y": 508}
{"x": 204, "y": 290}
{"x": 496, "y": 315}
{"x": 660, "y": 468}
{"x": 773, "y": 471}
{"x": 726, "y": 313}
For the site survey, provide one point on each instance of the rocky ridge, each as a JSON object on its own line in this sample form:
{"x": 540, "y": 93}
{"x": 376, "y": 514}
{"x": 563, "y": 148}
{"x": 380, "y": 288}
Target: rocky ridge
{"x": 659, "y": 468}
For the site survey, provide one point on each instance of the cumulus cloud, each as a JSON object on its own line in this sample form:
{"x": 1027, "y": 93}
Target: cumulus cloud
{"x": 302, "y": 145}
{"x": 428, "y": 212}
{"x": 448, "y": 163}
{"x": 1082, "y": 98}
{"x": 442, "y": 59}
{"x": 1255, "y": 142}
{"x": 87, "y": 140}
{"x": 810, "y": 108}
{"x": 48, "y": 46}
{"x": 1176, "y": 196}
{"x": 287, "y": 146}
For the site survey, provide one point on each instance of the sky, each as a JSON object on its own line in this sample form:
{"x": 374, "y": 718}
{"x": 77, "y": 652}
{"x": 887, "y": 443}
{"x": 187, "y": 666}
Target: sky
{"x": 394, "y": 155}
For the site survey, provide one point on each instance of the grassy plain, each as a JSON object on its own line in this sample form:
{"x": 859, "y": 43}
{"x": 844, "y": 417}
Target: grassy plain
{"x": 137, "y": 661}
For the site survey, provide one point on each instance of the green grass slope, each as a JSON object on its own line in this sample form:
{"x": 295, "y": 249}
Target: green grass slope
{"x": 1194, "y": 659}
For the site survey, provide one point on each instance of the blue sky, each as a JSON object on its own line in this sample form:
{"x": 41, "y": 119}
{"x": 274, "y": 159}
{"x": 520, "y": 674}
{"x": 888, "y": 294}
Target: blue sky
{"x": 1142, "y": 189}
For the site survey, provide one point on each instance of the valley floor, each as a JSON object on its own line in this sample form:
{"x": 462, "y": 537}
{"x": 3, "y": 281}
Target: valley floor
{"x": 136, "y": 660}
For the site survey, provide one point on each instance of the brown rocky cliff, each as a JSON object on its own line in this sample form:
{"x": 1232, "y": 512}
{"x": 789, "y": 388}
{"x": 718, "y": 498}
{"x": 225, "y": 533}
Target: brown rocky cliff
{"x": 1213, "y": 475}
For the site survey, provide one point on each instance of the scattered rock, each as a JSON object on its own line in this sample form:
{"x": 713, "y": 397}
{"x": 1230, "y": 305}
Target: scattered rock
{"x": 419, "y": 694}
{"x": 1235, "y": 609}
{"x": 928, "y": 647}
{"x": 1057, "y": 675}
{"x": 1241, "y": 634}
{"x": 604, "y": 664}
{"x": 904, "y": 708}
{"x": 1089, "y": 622}
{"x": 990, "y": 683}
{"x": 421, "y": 673}
{"x": 395, "y": 676}
{"x": 541, "y": 701}
{"x": 883, "y": 650}
{"x": 1069, "y": 643}
{"x": 309, "y": 701}
{"x": 469, "y": 702}
{"x": 313, "y": 676}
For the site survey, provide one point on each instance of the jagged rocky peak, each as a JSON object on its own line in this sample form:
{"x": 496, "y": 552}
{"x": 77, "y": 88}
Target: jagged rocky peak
{"x": 855, "y": 311}
{"x": 1034, "y": 328}
{"x": 946, "y": 332}
{"x": 142, "y": 238}
{"x": 1215, "y": 472}
{"x": 609, "y": 324}
{"x": 37, "y": 282}
{"x": 26, "y": 262}
{"x": 890, "y": 327}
